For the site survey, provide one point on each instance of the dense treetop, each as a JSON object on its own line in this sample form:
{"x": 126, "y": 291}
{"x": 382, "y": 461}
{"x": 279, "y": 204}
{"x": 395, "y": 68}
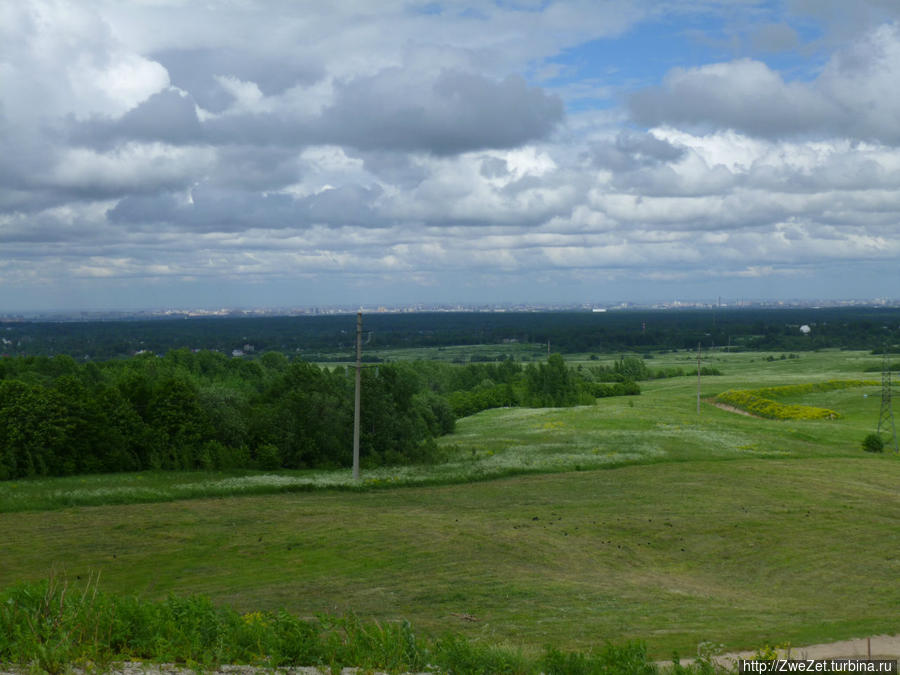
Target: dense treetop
{"x": 314, "y": 336}
{"x": 205, "y": 410}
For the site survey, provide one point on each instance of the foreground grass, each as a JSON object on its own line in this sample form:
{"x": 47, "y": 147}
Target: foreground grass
{"x": 741, "y": 553}
{"x": 634, "y": 519}
{"x": 50, "y": 627}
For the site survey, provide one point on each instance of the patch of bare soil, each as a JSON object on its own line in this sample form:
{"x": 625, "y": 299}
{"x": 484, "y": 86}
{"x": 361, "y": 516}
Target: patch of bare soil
{"x": 730, "y": 408}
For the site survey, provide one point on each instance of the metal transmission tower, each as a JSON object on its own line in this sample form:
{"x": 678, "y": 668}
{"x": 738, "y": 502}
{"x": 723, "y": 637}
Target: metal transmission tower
{"x": 886, "y": 417}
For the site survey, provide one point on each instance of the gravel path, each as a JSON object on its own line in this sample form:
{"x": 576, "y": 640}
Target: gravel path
{"x": 879, "y": 646}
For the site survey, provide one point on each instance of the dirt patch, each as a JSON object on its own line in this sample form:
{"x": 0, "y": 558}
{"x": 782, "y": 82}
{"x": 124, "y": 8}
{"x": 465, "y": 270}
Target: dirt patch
{"x": 730, "y": 408}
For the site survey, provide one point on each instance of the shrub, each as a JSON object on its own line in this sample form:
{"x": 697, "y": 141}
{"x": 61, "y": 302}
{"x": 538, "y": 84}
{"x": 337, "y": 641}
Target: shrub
{"x": 752, "y": 402}
{"x": 268, "y": 457}
{"x": 760, "y": 401}
{"x": 873, "y": 443}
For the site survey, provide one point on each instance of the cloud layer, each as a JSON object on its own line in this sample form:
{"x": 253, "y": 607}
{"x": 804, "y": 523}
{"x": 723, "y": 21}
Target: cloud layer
{"x": 250, "y": 153}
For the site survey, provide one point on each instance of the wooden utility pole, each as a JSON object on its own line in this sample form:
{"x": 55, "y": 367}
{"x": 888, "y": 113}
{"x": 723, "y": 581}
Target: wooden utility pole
{"x": 357, "y": 397}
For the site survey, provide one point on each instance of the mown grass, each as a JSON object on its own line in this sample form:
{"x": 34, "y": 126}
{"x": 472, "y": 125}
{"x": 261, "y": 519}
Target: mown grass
{"x": 742, "y": 553}
{"x": 658, "y": 525}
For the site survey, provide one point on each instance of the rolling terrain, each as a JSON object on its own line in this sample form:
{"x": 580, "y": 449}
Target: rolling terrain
{"x": 635, "y": 518}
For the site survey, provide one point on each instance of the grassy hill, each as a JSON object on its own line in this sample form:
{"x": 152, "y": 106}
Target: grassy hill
{"x": 641, "y": 520}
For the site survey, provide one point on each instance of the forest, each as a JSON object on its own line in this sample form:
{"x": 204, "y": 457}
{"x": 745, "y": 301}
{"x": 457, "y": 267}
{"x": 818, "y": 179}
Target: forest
{"x": 322, "y": 338}
{"x": 89, "y": 397}
{"x": 205, "y": 410}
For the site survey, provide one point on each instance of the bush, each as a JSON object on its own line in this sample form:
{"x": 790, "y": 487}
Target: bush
{"x": 268, "y": 457}
{"x": 873, "y": 443}
{"x": 760, "y": 401}
{"x": 751, "y": 402}
{"x": 627, "y": 388}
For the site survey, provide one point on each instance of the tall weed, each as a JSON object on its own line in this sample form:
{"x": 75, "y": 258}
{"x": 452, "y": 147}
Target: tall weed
{"x": 52, "y": 626}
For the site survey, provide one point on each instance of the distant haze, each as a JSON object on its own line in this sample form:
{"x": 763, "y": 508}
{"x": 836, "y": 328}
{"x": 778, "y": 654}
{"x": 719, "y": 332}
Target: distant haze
{"x": 260, "y": 154}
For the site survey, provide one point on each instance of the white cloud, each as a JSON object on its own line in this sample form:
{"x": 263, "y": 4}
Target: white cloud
{"x": 256, "y": 142}
{"x": 133, "y": 167}
{"x": 854, "y": 96}
{"x": 61, "y": 58}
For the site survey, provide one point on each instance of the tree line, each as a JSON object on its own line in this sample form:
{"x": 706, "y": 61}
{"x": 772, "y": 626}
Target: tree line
{"x": 204, "y": 410}
{"x": 322, "y": 338}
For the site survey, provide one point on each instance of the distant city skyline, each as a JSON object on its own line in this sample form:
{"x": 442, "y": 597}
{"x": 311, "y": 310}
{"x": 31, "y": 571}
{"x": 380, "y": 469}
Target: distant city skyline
{"x": 296, "y": 154}
{"x": 325, "y": 310}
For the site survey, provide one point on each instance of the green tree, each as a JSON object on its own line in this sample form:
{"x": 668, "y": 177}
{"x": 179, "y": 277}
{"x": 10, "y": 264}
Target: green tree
{"x": 34, "y": 430}
{"x": 632, "y": 368}
{"x": 175, "y": 414}
{"x": 550, "y": 384}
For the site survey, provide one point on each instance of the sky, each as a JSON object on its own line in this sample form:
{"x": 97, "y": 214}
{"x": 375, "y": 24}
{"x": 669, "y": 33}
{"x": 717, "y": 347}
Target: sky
{"x": 240, "y": 153}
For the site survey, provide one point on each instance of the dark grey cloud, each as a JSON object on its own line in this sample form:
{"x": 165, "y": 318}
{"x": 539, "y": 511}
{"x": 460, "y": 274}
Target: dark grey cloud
{"x": 452, "y": 113}
{"x": 22, "y": 154}
{"x": 37, "y": 199}
{"x": 47, "y": 228}
{"x": 846, "y": 171}
{"x": 267, "y": 128}
{"x": 168, "y": 116}
{"x": 264, "y": 168}
{"x": 196, "y": 71}
{"x": 209, "y": 210}
{"x": 632, "y": 150}
{"x": 663, "y": 180}
{"x": 744, "y": 95}
{"x": 456, "y": 112}
{"x": 494, "y": 167}
{"x": 397, "y": 168}
{"x": 523, "y": 184}
{"x": 136, "y": 209}
{"x": 24, "y": 159}
{"x": 212, "y": 209}
{"x": 40, "y": 171}
{"x": 345, "y": 205}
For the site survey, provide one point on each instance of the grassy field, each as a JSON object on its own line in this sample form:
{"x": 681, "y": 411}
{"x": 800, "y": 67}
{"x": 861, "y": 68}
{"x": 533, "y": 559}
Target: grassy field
{"x": 641, "y": 520}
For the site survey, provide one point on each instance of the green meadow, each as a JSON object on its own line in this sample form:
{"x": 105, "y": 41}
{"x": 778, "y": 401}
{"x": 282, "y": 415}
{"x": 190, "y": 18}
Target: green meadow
{"x": 633, "y": 519}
